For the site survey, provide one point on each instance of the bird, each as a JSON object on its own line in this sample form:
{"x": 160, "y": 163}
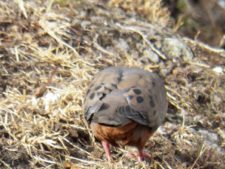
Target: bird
{"x": 124, "y": 106}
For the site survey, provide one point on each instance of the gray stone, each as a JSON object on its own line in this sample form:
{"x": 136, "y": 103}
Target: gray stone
{"x": 151, "y": 55}
{"x": 176, "y": 48}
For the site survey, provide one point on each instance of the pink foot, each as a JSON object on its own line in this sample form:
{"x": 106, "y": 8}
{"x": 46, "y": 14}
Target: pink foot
{"x": 140, "y": 156}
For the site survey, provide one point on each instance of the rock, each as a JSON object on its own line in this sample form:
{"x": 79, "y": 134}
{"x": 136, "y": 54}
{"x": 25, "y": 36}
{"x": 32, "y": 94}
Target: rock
{"x": 122, "y": 44}
{"x": 211, "y": 139}
{"x": 175, "y": 48}
{"x": 218, "y": 70}
{"x": 151, "y": 55}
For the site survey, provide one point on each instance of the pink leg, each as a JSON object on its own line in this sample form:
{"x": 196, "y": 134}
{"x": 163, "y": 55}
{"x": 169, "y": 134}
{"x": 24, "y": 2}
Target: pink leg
{"x": 141, "y": 155}
{"x": 106, "y": 147}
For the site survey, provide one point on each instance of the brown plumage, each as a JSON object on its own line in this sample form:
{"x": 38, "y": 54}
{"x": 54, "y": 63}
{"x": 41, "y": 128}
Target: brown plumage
{"x": 125, "y": 106}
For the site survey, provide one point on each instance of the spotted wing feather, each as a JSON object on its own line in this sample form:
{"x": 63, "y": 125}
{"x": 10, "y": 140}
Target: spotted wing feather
{"x": 130, "y": 94}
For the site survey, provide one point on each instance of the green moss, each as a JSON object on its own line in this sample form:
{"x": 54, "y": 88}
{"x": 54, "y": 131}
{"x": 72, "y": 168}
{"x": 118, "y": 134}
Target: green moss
{"x": 182, "y": 5}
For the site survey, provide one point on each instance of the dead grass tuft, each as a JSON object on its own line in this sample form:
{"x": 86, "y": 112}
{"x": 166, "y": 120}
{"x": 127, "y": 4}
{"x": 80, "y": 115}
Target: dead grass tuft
{"x": 150, "y": 9}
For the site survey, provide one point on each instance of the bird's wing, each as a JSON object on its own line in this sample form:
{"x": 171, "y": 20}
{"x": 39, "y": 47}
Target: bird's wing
{"x": 120, "y": 95}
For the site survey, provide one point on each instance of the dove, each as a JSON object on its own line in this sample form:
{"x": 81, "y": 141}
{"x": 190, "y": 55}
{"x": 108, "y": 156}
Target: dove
{"x": 124, "y": 107}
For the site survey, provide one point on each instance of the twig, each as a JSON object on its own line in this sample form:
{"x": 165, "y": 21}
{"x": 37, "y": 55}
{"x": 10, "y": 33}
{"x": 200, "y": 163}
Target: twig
{"x": 77, "y": 147}
{"x": 22, "y": 8}
{"x": 167, "y": 164}
{"x": 97, "y": 46}
{"x": 44, "y": 160}
{"x": 202, "y": 45}
{"x": 202, "y": 150}
{"x": 82, "y": 160}
{"x": 130, "y": 28}
{"x": 5, "y": 164}
{"x": 159, "y": 165}
{"x": 53, "y": 35}
{"x": 199, "y": 64}
{"x": 176, "y": 93}
{"x": 49, "y": 5}
{"x": 41, "y": 90}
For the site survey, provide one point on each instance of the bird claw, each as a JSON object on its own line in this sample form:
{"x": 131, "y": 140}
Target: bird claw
{"x": 140, "y": 156}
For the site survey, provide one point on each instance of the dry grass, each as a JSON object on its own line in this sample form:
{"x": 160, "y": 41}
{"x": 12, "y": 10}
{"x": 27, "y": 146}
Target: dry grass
{"x": 150, "y": 9}
{"x": 49, "y": 52}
